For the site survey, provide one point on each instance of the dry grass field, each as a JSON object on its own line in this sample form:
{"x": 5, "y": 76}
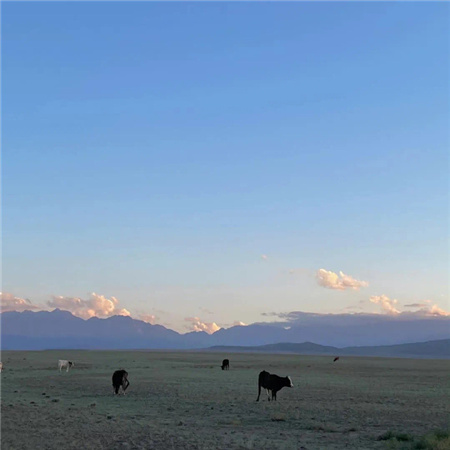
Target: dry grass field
{"x": 185, "y": 401}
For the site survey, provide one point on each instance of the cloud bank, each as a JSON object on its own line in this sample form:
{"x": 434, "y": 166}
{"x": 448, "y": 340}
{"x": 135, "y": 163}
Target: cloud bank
{"x": 340, "y": 282}
{"x": 195, "y": 324}
{"x": 11, "y": 303}
{"x": 149, "y": 318}
{"x": 426, "y": 309}
{"x": 95, "y": 306}
{"x": 386, "y": 303}
{"x": 432, "y": 310}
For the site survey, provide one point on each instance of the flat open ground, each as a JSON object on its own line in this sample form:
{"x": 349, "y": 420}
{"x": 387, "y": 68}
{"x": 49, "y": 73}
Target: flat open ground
{"x": 185, "y": 401}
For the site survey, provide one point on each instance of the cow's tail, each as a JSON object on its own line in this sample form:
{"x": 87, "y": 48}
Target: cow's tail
{"x": 259, "y": 390}
{"x": 125, "y": 383}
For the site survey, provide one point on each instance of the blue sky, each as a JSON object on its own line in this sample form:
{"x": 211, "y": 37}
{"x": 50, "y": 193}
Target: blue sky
{"x": 154, "y": 152}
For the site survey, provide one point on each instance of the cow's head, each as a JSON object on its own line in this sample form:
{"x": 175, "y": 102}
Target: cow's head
{"x": 71, "y": 364}
{"x": 289, "y": 382}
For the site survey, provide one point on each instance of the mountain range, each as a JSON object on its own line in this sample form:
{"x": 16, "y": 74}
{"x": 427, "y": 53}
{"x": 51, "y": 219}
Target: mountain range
{"x": 60, "y": 329}
{"x": 430, "y": 349}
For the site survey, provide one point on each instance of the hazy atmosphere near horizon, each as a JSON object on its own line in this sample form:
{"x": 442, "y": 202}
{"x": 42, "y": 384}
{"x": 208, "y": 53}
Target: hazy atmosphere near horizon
{"x": 203, "y": 165}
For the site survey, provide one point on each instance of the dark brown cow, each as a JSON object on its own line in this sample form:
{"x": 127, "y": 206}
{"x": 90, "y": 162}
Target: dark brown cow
{"x": 336, "y": 359}
{"x": 226, "y": 364}
{"x": 120, "y": 379}
{"x": 272, "y": 384}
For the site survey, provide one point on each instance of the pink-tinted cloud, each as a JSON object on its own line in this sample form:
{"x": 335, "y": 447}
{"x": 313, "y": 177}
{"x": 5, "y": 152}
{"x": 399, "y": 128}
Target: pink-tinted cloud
{"x": 386, "y": 303}
{"x": 264, "y": 257}
{"x": 95, "y": 306}
{"x": 339, "y": 282}
{"x": 195, "y": 324}
{"x": 238, "y": 323}
{"x": 427, "y": 309}
{"x": 149, "y": 318}
{"x": 436, "y": 311}
{"x": 11, "y": 303}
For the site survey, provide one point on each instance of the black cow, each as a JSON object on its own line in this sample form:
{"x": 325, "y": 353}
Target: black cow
{"x": 225, "y": 364}
{"x": 272, "y": 383}
{"x": 336, "y": 359}
{"x": 120, "y": 379}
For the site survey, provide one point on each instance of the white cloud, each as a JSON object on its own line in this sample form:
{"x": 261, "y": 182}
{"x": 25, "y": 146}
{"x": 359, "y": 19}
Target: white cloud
{"x": 339, "y": 282}
{"x": 11, "y": 303}
{"x": 238, "y": 323}
{"x": 264, "y": 257}
{"x": 197, "y": 325}
{"x": 386, "y": 303}
{"x": 95, "y": 306}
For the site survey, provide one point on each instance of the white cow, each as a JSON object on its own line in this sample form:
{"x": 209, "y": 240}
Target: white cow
{"x": 63, "y": 363}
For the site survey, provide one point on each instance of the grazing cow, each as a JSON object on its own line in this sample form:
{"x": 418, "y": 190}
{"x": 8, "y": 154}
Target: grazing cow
{"x": 1, "y": 366}
{"x": 120, "y": 379}
{"x": 335, "y": 359}
{"x": 225, "y": 364}
{"x": 272, "y": 383}
{"x": 63, "y": 363}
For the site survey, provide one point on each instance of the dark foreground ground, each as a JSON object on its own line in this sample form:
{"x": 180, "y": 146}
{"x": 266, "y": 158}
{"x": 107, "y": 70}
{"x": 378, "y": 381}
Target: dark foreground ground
{"x": 185, "y": 401}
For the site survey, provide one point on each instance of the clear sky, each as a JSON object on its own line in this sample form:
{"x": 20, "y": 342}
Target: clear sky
{"x": 206, "y": 160}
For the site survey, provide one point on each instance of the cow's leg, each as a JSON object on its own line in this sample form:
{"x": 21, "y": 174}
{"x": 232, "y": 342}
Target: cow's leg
{"x": 268, "y": 394}
{"x": 259, "y": 392}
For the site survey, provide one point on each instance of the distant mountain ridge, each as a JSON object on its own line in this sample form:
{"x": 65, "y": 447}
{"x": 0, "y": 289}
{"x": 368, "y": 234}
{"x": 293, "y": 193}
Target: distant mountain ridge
{"x": 60, "y": 329}
{"x": 431, "y": 349}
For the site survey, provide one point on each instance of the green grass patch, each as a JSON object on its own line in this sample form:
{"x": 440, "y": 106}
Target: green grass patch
{"x": 391, "y": 435}
{"x": 436, "y": 440}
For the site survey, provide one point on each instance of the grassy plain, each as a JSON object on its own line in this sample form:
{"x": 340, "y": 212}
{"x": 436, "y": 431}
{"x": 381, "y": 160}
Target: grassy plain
{"x": 182, "y": 400}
